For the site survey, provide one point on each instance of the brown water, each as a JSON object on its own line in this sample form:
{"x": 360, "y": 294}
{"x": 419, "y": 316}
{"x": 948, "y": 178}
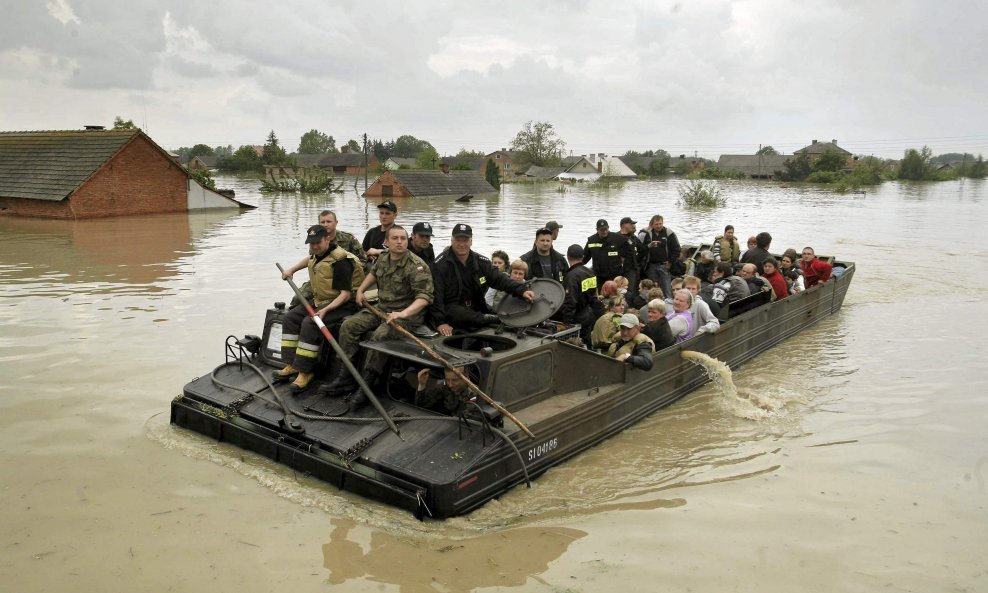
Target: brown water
{"x": 868, "y": 472}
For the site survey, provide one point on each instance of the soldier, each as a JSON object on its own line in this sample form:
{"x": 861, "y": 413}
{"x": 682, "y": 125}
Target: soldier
{"x": 375, "y": 238}
{"x": 608, "y": 252}
{"x": 448, "y": 398}
{"x": 333, "y": 272}
{"x": 462, "y": 277}
{"x": 581, "y": 294}
{"x": 544, "y": 261}
{"x": 421, "y": 243}
{"x": 405, "y": 289}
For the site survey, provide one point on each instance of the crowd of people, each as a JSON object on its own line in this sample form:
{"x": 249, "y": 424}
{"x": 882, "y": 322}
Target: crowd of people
{"x": 641, "y": 292}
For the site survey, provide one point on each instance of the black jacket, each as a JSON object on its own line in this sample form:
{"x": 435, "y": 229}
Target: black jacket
{"x": 637, "y": 248}
{"x": 559, "y": 265}
{"x": 581, "y": 293}
{"x": 608, "y": 254}
{"x": 466, "y": 284}
{"x": 665, "y": 250}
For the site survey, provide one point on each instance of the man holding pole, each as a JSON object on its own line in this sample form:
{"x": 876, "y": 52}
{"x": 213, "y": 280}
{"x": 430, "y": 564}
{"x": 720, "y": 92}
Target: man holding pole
{"x": 405, "y": 289}
{"x": 333, "y": 272}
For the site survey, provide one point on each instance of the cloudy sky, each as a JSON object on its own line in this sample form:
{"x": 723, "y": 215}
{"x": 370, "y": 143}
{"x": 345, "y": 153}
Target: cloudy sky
{"x": 710, "y": 76}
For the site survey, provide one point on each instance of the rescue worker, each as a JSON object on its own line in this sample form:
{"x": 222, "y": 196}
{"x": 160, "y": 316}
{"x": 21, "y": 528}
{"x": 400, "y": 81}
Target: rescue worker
{"x": 581, "y": 294}
{"x": 405, "y": 289}
{"x": 632, "y": 264}
{"x": 375, "y": 238}
{"x": 554, "y": 226}
{"x": 421, "y": 243}
{"x": 333, "y": 272}
{"x": 462, "y": 276}
{"x": 633, "y": 347}
{"x": 544, "y": 261}
{"x": 726, "y": 247}
{"x": 449, "y": 397}
{"x": 608, "y": 252}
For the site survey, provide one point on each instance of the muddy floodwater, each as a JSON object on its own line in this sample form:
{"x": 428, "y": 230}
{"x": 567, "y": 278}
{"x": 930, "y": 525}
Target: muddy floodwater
{"x": 868, "y": 473}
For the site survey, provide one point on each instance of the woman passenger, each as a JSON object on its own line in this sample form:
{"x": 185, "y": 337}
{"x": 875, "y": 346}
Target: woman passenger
{"x": 518, "y": 271}
{"x": 681, "y": 322}
{"x": 607, "y": 328}
{"x": 791, "y": 272}
{"x": 770, "y": 272}
{"x": 499, "y": 260}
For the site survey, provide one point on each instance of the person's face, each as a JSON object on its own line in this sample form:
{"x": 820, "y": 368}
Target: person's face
{"x": 658, "y": 225}
{"x": 453, "y": 381}
{"x": 729, "y": 235}
{"x": 808, "y": 255}
{"x": 602, "y": 231}
{"x": 421, "y": 241}
{"x": 320, "y": 247}
{"x": 752, "y": 243}
{"x": 628, "y": 332}
{"x": 499, "y": 263}
{"x": 517, "y": 275}
{"x": 328, "y": 222}
{"x": 786, "y": 263}
{"x": 654, "y": 314}
{"x": 543, "y": 244}
{"x": 461, "y": 246}
{"x": 627, "y": 228}
{"x": 618, "y": 308}
{"x": 397, "y": 242}
{"x": 680, "y": 302}
{"x": 693, "y": 288}
{"x": 768, "y": 268}
{"x": 747, "y": 272}
{"x": 386, "y": 217}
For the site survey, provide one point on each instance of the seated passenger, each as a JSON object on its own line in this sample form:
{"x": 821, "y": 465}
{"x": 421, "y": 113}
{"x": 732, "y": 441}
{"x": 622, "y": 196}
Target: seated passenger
{"x": 449, "y": 397}
{"x": 763, "y": 242}
{"x": 815, "y": 271}
{"x": 704, "y": 318}
{"x": 641, "y": 299}
{"x": 771, "y": 273}
{"x": 749, "y": 273}
{"x": 462, "y": 276}
{"x": 605, "y": 331}
{"x": 704, "y": 266}
{"x": 727, "y": 287}
{"x": 333, "y": 272}
{"x": 657, "y": 326}
{"x": 499, "y": 259}
{"x": 517, "y": 272}
{"x": 791, "y": 272}
{"x": 681, "y": 322}
{"x": 633, "y": 347}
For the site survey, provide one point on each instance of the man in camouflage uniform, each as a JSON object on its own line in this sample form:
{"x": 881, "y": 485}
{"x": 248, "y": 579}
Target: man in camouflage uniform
{"x": 328, "y": 220}
{"x": 404, "y": 288}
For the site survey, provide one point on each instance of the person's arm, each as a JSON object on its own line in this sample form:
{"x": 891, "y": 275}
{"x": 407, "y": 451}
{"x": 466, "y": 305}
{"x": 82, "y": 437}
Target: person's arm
{"x": 586, "y": 252}
{"x": 369, "y": 280}
{"x": 303, "y": 263}
{"x": 673, "y": 246}
{"x": 641, "y": 357}
{"x": 708, "y": 322}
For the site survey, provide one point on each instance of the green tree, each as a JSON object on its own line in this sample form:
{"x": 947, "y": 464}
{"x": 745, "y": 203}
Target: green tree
{"x": 538, "y": 144}
{"x": 830, "y": 160}
{"x": 120, "y": 124}
{"x": 470, "y": 154}
{"x": 315, "y": 142}
{"x": 200, "y": 150}
{"x": 977, "y": 169}
{"x": 798, "y": 168}
{"x": 353, "y": 146}
{"x": 244, "y": 159}
{"x": 427, "y": 158}
{"x": 916, "y": 165}
{"x": 492, "y": 175}
{"x": 274, "y": 154}
{"x": 767, "y": 149}
{"x": 410, "y": 146}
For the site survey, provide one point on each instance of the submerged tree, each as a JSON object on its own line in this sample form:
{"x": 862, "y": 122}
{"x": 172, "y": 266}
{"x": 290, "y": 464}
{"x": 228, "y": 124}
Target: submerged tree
{"x": 274, "y": 154}
{"x": 315, "y": 142}
{"x": 492, "y": 175}
{"x": 538, "y": 144}
{"x": 916, "y": 165}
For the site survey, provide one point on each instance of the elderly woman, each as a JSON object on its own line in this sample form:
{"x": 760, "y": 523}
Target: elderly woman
{"x": 657, "y": 326}
{"x": 605, "y": 330}
{"x": 681, "y": 322}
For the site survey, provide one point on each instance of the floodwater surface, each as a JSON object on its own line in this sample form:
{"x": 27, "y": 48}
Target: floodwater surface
{"x": 854, "y": 459}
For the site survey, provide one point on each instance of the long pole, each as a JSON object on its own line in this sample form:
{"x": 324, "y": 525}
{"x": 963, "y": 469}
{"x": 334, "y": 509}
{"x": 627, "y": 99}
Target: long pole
{"x": 449, "y": 366}
{"x": 343, "y": 358}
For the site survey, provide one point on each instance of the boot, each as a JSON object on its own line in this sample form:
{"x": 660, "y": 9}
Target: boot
{"x": 491, "y": 319}
{"x": 358, "y": 398}
{"x": 284, "y": 375}
{"x": 301, "y": 382}
{"x": 342, "y": 384}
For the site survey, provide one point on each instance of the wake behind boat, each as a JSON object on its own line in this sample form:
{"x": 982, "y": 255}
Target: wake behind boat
{"x": 569, "y": 397}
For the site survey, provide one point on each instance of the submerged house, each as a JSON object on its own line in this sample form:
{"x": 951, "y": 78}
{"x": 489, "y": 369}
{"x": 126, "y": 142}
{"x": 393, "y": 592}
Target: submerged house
{"x": 755, "y": 166}
{"x": 94, "y": 173}
{"x": 594, "y": 166}
{"x": 419, "y": 184}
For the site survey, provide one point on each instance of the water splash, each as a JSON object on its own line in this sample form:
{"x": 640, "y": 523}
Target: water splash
{"x": 743, "y": 402}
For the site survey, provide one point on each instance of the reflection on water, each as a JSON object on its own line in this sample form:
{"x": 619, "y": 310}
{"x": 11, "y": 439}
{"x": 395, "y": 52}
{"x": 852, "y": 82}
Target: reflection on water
{"x": 503, "y": 559}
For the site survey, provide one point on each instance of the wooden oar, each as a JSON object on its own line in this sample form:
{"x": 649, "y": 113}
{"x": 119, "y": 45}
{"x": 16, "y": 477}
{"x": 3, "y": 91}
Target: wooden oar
{"x": 343, "y": 358}
{"x": 449, "y": 366}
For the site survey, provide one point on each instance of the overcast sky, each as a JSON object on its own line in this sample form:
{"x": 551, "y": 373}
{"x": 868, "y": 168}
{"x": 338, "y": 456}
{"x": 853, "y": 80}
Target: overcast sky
{"x": 711, "y": 76}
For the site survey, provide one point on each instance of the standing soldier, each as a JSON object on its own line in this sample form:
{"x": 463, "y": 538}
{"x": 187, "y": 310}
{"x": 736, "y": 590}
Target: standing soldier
{"x": 333, "y": 272}
{"x": 608, "y": 252}
{"x": 405, "y": 289}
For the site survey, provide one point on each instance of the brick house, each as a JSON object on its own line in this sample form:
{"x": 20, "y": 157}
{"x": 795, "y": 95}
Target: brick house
{"x": 504, "y": 159}
{"x": 406, "y": 183}
{"x": 816, "y": 149}
{"x": 88, "y": 174}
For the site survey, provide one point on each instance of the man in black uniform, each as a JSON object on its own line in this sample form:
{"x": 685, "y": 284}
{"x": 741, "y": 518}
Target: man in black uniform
{"x": 462, "y": 277}
{"x": 608, "y": 252}
{"x": 544, "y": 261}
{"x": 373, "y": 243}
{"x": 421, "y": 243}
{"x": 632, "y": 265}
{"x": 662, "y": 249}
{"x": 581, "y": 294}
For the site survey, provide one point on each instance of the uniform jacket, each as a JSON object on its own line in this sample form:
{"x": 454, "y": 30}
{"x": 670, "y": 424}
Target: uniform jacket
{"x": 466, "y": 284}
{"x": 608, "y": 254}
{"x": 581, "y": 292}
{"x": 350, "y": 243}
{"x": 325, "y": 271}
{"x": 401, "y": 281}
{"x": 724, "y": 250}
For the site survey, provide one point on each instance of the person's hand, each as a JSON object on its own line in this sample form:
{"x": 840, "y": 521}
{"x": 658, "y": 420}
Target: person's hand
{"x": 623, "y": 357}
{"x": 395, "y": 316}
{"x": 445, "y": 329}
{"x": 286, "y": 275}
{"x": 360, "y": 298}
{"x": 423, "y": 376}
{"x": 528, "y": 295}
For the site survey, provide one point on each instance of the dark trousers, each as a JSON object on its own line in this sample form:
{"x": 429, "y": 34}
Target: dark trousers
{"x": 301, "y": 337}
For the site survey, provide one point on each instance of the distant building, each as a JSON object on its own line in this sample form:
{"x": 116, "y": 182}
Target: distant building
{"x": 755, "y": 166}
{"x": 345, "y": 163}
{"x": 506, "y": 162}
{"x": 397, "y": 162}
{"x": 465, "y": 163}
{"x": 94, "y": 173}
{"x": 405, "y": 183}
{"x": 816, "y": 149}
{"x": 594, "y": 166}
{"x": 204, "y": 162}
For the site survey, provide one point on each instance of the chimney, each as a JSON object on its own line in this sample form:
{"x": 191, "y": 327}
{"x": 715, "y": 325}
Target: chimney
{"x": 814, "y": 142}
{"x": 94, "y": 128}
{"x": 834, "y": 141}
{"x": 504, "y": 150}
{"x": 444, "y": 167}
{"x": 600, "y": 166}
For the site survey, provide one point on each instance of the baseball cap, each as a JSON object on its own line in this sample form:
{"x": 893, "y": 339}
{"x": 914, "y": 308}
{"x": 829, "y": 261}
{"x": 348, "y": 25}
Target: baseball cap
{"x": 630, "y": 320}
{"x": 602, "y": 224}
{"x": 553, "y": 225}
{"x": 422, "y": 228}
{"x": 574, "y": 252}
{"x": 462, "y": 230}
{"x": 627, "y": 220}
{"x": 315, "y": 234}
{"x": 389, "y": 205}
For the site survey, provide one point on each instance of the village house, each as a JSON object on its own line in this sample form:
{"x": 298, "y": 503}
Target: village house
{"x": 94, "y": 173}
{"x": 507, "y": 167}
{"x": 594, "y": 166}
{"x": 755, "y": 166}
{"x": 405, "y": 183}
{"x": 399, "y": 162}
{"x": 816, "y": 149}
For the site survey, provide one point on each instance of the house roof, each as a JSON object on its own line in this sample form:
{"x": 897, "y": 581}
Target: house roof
{"x": 405, "y": 160}
{"x": 437, "y": 183}
{"x": 543, "y": 172}
{"x": 821, "y": 147}
{"x": 50, "y": 165}
{"x": 753, "y": 164}
{"x": 475, "y": 163}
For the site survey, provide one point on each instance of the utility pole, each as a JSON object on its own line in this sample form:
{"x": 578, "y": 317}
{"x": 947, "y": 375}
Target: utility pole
{"x": 365, "y": 162}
